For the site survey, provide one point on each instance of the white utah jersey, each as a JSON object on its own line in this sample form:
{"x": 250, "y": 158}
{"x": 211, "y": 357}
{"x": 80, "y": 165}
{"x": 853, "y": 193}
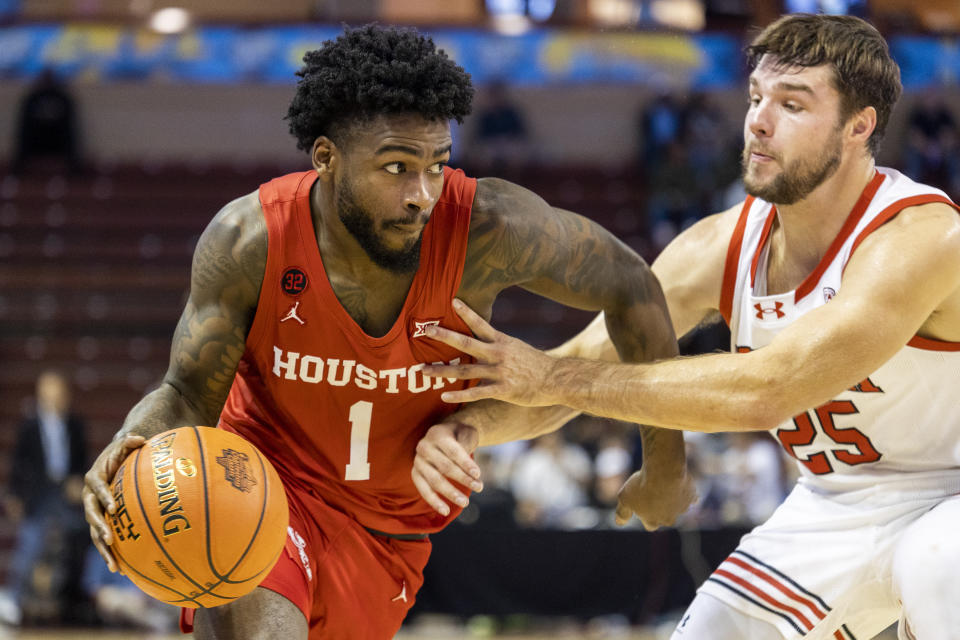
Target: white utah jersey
{"x": 902, "y": 419}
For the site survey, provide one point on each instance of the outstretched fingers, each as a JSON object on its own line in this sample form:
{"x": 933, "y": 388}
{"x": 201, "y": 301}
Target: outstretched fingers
{"x": 428, "y": 482}
{"x": 480, "y": 327}
{"x": 479, "y": 392}
{"x": 479, "y": 347}
{"x": 443, "y": 459}
{"x": 462, "y": 342}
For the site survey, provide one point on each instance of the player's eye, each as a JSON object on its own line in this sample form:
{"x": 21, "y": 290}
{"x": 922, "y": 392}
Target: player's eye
{"x": 394, "y": 168}
{"x": 437, "y": 167}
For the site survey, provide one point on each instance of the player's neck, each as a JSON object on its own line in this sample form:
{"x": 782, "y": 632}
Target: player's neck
{"x": 341, "y": 252}
{"x": 807, "y": 228}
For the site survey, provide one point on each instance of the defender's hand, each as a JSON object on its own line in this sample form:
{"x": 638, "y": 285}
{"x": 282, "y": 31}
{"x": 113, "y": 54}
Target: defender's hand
{"x": 443, "y": 455}
{"x": 511, "y": 369}
{"x": 657, "y": 502}
{"x": 97, "y": 498}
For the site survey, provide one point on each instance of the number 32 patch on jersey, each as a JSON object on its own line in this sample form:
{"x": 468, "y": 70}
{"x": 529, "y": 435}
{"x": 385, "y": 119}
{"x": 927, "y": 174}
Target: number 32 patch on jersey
{"x": 294, "y": 281}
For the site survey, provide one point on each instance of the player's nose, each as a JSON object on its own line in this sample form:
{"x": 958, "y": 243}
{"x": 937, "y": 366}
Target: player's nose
{"x": 759, "y": 121}
{"x": 420, "y": 195}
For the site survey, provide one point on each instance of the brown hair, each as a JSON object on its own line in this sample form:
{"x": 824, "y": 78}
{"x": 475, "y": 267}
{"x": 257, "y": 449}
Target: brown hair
{"x": 864, "y": 73}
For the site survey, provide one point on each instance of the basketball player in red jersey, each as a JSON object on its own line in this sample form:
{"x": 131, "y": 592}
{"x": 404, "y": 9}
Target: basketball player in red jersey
{"x": 840, "y": 281}
{"x": 305, "y": 332}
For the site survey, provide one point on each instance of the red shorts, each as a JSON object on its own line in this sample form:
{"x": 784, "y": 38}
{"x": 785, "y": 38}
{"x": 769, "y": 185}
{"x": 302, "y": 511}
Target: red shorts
{"x": 349, "y": 583}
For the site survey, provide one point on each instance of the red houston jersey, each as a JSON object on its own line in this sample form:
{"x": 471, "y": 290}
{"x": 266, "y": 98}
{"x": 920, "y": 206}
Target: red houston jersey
{"x": 337, "y": 411}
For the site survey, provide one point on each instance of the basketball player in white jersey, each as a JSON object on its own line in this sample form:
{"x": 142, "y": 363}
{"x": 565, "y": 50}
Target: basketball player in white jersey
{"x": 840, "y": 281}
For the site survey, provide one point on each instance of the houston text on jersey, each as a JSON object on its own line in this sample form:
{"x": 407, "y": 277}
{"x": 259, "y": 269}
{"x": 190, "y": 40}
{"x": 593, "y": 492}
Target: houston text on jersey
{"x": 291, "y": 365}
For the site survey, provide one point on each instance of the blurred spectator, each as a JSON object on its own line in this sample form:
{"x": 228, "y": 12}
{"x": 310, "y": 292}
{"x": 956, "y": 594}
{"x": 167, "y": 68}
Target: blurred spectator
{"x": 931, "y": 153}
{"x": 705, "y": 134}
{"x": 501, "y": 141}
{"x": 661, "y": 124}
{"x": 494, "y": 507}
{"x": 46, "y": 476}
{"x": 713, "y": 146}
{"x": 47, "y": 125}
{"x": 119, "y": 603}
{"x": 611, "y": 468}
{"x": 753, "y": 478}
{"x": 704, "y": 466}
{"x": 675, "y": 201}
{"x": 549, "y": 483}
{"x": 499, "y": 461}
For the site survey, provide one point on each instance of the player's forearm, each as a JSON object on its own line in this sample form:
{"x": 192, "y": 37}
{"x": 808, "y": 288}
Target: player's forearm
{"x": 705, "y": 393}
{"x": 497, "y": 422}
{"x": 160, "y": 410}
{"x": 642, "y": 334}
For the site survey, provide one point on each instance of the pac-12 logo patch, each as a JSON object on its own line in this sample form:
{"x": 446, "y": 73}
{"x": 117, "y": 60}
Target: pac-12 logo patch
{"x": 294, "y": 281}
{"x": 828, "y": 293}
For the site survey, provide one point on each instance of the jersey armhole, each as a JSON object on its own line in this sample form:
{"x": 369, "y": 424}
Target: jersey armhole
{"x": 467, "y": 193}
{"x": 268, "y": 288}
{"x": 888, "y": 214}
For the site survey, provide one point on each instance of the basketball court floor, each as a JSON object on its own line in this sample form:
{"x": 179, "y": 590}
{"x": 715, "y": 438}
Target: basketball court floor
{"x": 97, "y": 634}
{"x": 435, "y": 631}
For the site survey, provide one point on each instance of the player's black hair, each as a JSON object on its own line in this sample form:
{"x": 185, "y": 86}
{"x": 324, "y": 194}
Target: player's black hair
{"x": 370, "y": 71}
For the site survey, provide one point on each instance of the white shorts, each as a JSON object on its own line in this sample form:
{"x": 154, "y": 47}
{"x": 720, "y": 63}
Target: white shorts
{"x": 821, "y": 567}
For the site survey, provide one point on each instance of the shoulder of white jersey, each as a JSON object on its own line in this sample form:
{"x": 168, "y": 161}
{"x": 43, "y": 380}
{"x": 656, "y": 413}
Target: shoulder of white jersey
{"x": 897, "y": 186}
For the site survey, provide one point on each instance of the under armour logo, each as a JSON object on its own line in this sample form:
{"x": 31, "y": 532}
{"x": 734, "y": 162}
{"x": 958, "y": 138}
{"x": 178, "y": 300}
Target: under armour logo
{"x": 419, "y": 328}
{"x": 403, "y": 594}
{"x": 292, "y": 314}
{"x": 762, "y": 311}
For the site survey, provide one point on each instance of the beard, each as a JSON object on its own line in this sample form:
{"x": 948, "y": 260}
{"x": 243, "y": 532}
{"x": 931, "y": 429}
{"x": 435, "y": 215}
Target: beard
{"x": 360, "y": 223}
{"x": 798, "y": 179}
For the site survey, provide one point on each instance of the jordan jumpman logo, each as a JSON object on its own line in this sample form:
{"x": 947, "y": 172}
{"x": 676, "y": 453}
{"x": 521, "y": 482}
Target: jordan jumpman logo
{"x": 292, "y": 314}
{"x": 403, "y": 593}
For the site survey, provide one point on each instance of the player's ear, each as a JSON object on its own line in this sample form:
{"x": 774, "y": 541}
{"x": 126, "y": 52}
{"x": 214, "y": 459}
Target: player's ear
{"x": 324, "y": 156}
{"x": 863, "y": 123}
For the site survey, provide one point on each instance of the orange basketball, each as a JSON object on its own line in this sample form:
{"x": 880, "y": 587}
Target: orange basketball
{"x": 201, "y": 517}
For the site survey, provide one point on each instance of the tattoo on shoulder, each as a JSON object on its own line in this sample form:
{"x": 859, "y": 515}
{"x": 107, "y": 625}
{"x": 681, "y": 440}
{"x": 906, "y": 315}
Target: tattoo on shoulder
{"x": 210, "y": 338}
{"x": 561, "y": 248}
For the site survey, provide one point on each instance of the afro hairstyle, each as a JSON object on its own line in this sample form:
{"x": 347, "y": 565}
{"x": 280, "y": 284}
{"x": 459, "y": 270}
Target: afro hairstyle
{"x": 370, "y": 71}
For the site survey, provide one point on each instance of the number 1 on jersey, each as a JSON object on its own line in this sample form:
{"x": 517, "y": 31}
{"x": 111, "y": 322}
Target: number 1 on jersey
{"x": 359, "y": 468}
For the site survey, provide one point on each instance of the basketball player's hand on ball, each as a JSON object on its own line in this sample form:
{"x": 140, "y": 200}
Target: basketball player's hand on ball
{"x": 444, "y": 455}
{"x": 656, "y": 501}
{"x": 510, "y": 369}
{"x": 97, "y": 498}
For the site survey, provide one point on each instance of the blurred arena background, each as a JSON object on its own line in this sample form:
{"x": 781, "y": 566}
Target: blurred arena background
{"x": 626, "y": 111}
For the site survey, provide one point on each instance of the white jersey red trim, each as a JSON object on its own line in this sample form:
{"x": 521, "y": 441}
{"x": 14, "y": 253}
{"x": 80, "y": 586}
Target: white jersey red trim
{"x": 903, "y": 418}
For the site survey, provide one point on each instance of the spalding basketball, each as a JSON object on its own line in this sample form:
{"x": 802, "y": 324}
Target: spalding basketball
{"x": 201, "y": 517}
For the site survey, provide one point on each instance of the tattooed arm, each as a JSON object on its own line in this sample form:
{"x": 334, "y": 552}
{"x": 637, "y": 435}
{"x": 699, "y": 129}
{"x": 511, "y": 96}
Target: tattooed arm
{"x": 518, "y": 239}
{"x": 209, "y": 340}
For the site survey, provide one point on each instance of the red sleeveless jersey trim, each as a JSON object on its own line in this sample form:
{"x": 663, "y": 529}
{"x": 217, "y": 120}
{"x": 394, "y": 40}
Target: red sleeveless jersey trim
{"x": 810, "y": 282}
{"x": 728, "y": 289}
{"x": 917, "y": 342}
{"x": 337, "y": 411}
{"x": 736, "y": 242}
